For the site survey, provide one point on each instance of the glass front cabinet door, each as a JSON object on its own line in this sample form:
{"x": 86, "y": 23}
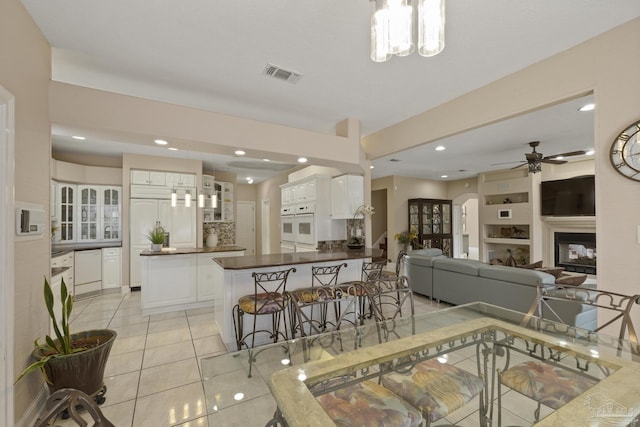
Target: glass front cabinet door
{"x": 431, "y": 220}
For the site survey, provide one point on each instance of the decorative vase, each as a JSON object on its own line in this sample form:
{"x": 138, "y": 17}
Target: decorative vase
{"x": 212, "y": 240}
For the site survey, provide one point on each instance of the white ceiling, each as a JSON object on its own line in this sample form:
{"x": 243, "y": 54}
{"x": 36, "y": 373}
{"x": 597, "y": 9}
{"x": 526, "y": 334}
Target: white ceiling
{"x": 211, "y": 54}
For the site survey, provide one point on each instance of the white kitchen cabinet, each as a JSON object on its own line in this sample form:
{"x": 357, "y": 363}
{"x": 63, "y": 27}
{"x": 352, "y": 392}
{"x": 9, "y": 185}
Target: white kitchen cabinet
{"x": 347, "y": 194}
{"x": 179, "y": 222}
{"x": 88, "y": 271}
{"x": 173, "y": 179}
{"x": 145, "y": 177}
{"x": 88, "y": 213}
{"x": 67, "y": 199}
{"x": 111, "y": 268}
{"x": 286, "y": 195}
{"x": 65, "y": 260}
{"x": 173, "y": 278}
{"x": 206, "y": 273}
{"x": 111, "y": 213}
{"x": 223, "y": 212}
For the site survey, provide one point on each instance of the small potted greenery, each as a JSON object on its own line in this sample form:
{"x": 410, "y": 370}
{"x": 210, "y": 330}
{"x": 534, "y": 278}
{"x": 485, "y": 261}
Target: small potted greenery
{"x": 156, "y": 236}
{"x": 71, "y": 360}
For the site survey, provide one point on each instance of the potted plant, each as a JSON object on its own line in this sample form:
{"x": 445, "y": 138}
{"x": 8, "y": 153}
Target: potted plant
{"x": 156, "y": 236}
{"x": 406, "y": 238}
{"x": 71, "y": 360}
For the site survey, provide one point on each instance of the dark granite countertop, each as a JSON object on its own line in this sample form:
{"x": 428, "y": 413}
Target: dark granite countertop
{"x": 187, "y": 251}
{"x": 273, "y": 260}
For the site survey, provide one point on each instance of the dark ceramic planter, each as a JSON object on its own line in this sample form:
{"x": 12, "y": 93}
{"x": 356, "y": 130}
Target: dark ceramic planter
{"x": 83, "y": 370}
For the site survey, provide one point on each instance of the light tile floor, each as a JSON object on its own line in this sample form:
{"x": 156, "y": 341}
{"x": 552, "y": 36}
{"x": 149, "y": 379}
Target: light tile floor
{"x": 156, "y": 376}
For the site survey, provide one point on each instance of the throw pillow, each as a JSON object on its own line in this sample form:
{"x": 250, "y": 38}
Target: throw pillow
{"x": 555, "y": 272}
{"x": 571, "y": 280}
{"x": 531, "y": 266}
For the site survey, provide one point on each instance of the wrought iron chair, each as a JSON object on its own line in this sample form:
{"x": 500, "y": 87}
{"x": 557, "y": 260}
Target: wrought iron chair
{"x": 532, "y": 378}
{"x": 387, "y": 300}
{"x": 436, "y": 389}
{"x": 370, "y": 271}
{"x": 329, "y": 329}
{"x": 320, "y": 276}
{"x": 390, "y": 275}
{"x": 68, "y": 400}
{"x": 268, "y": 299}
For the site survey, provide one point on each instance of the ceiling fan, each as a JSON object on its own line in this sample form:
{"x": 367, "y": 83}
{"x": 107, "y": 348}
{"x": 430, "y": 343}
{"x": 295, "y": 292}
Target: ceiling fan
{"x": 535, "y": 159}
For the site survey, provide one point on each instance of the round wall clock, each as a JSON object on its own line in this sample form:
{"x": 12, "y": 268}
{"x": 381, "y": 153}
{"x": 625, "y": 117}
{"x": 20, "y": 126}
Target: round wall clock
{"x": 625, "y": 152}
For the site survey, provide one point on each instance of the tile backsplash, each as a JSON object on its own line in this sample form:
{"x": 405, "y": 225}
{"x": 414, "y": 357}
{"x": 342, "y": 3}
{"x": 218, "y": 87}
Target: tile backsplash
{"x": 226, "y": 232}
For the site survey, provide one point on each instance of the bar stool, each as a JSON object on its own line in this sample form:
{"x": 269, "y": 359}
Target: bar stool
{"x": 390, "y": 275}
{"x": 370, "y": 271}
{"x": 267, "y": 299}
{"x": 321, "y": 276}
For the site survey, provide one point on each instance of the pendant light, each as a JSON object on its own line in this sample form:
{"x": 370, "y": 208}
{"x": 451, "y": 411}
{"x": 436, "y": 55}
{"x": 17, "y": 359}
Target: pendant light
{"x": 187, "y": 199}
{"x": 174, "y": 198}
{"x": 201, "y": 199}
{"x": 394, "y": 23}
{"x": 214, "y": 199}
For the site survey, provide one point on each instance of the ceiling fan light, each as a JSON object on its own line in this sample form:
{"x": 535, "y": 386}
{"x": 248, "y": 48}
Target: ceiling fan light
{"x": 431, "y": 20}
{"x": 535, "y": 167}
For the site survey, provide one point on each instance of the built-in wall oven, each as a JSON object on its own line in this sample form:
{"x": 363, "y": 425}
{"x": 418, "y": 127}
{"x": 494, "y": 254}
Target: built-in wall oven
{"x": 304, "y": 229}
{"x": 287, "y": 225}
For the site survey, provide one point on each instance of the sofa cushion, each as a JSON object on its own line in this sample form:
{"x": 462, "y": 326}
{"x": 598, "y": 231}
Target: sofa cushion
{"x": 426, "y": 252}
{"x": 571, "y": 280}
{"x": 516, "y": 275}
{"x": 459, "y": 265}
{"x": 423, "y": 260}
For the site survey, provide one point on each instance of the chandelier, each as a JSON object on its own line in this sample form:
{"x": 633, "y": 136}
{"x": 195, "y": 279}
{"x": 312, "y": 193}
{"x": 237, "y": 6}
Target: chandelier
{"x": 393, "y": 23}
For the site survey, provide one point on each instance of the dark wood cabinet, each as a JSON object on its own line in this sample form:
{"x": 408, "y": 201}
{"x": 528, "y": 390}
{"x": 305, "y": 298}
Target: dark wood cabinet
{"x": 431, "y": 219}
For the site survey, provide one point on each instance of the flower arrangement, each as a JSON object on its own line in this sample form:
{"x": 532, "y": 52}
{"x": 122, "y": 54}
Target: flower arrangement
{"x": 406, "y": 237}
{"x": 363, "y": 210}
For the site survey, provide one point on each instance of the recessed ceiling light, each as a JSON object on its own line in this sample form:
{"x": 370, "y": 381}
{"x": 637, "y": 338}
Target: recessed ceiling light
{"x": 444, "y": 176}
{"x": 249, "y": 180}
{"x": 81, "y": 138}
{"x": 371, "y": 167}
{"x": 160, "y": 141}
{"x": 441, "y": 148}
{"x": 590, "y": 152}
{"x": 302, "y": 160}
{"x": 240, "y": 153}
{"x": 587, "y": 107}
{"x": 173, "y": 149}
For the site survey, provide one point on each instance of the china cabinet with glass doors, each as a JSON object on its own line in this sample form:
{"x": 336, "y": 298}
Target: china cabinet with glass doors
{"x": 431, "y": 220}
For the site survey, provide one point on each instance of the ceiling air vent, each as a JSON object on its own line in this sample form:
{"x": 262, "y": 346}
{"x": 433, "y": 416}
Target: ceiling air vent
{"x": 281, "y": 74}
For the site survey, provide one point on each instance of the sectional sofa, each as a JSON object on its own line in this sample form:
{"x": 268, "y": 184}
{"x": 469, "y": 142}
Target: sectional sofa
{"x": 460, "y": 281}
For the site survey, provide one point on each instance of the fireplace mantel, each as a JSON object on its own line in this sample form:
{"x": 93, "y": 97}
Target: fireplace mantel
{"x": 570, "y": 221}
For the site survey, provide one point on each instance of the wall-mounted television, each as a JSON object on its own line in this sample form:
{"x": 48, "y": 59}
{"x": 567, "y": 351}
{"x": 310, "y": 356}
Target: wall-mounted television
{"x": 569, "y": 197}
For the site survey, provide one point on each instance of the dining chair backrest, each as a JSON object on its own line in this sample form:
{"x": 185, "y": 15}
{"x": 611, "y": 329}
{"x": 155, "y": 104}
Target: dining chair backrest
{"x": 618, "y": 304}
{"x": 326, "y": 275}
{"x": 399, "y": 261}
{"x": 391, "y": 300}
{"x": 371, "y": 271}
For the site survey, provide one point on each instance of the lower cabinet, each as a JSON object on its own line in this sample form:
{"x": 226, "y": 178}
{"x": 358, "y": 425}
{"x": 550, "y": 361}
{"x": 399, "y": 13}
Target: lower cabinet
{"x": 179, "y": 282}
{"x": 111, "y": 268}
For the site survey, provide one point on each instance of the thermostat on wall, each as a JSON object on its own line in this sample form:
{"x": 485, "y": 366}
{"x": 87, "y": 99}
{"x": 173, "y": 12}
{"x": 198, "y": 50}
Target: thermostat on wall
{"x": 504, "y": 213}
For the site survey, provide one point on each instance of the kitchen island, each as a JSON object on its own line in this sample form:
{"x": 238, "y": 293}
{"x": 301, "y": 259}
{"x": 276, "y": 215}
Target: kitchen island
{"x": 232, "y": 278}
{"x": 180, "y": 278}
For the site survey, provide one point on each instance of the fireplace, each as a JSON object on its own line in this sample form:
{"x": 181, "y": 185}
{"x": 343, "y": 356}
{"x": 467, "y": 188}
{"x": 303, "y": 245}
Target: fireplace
{"x": 575, "y": 252}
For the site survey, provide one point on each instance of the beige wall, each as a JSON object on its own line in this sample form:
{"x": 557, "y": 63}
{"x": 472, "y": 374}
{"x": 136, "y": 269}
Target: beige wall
{"x": 607, "y": 66}
{"x": 399, "y": 190}
{"x": 270, "y": 191}
{"x": 25, "y": 70}
{"x": 246, "y": 193}
{"x": 81, "y": 174}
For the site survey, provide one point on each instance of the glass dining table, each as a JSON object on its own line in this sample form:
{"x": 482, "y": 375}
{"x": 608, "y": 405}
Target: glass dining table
{"x": 480, "y": 338}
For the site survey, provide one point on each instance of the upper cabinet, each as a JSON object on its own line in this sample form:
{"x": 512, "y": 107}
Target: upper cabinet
{"x": 347, "y": 195}
{"x": 87, "y": 213}
{"x": 180, "y": 179}
{"x": 223, "y": 193}
{"x": 144, "y": 177}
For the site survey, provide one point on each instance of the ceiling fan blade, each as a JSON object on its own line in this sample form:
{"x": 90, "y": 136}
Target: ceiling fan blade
{"x": 519, "y": 166}
{"x": 506, "y": 163}
{"x": 553, "y": 161}
{"x": 569, "y": 154}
